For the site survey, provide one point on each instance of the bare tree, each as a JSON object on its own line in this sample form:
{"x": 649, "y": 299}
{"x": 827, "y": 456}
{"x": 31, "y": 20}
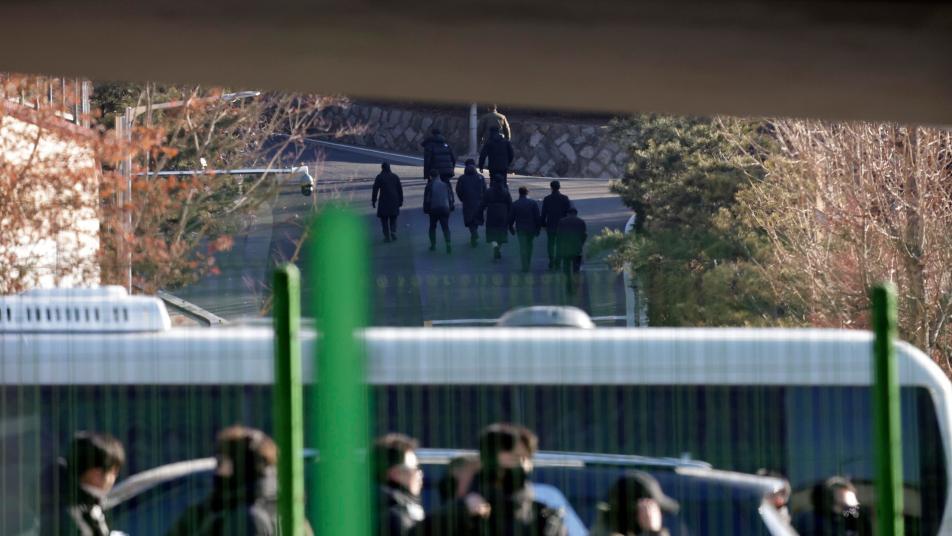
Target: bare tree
{"x": 170, "y": 227}
{"x": 180, "y": 222}
{"x": 849, "y": 204}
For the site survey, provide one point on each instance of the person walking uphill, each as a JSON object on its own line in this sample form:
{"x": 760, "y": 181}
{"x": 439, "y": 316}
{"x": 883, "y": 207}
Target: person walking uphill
{"x": 387, "y": 198}
{"x": 438, "y": 155}
{"x": 524, "y": 223}
{"x": 569, "y": 245}
{"x": 498, "y": 152}
{"x": 493, "y": 119}
{"x": 438, "y": 202}
{"x": 554, "y": 207}
{"x": 497, "y": 203}
{"x": 470, "y": 189}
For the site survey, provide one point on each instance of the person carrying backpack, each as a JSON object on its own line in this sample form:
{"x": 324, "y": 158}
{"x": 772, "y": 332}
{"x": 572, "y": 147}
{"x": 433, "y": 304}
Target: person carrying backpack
{"x": 438, "y": 202}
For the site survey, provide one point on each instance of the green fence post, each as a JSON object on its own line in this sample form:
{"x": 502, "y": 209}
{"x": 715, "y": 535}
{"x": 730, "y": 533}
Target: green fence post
{"x": 886, "y": 415}
{"x": 339, "y": 272}
{"x": 288, "y": 406}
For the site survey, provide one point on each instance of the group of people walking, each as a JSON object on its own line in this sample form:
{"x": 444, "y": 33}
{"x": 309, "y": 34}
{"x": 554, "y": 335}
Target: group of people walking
{"x": 489, "y": 205}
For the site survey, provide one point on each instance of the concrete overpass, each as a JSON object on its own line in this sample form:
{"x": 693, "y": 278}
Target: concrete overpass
{"x": 886, "y": 60}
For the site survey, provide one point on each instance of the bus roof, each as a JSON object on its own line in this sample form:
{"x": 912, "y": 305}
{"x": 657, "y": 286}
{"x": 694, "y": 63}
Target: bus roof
{"x": 653, "y": 356}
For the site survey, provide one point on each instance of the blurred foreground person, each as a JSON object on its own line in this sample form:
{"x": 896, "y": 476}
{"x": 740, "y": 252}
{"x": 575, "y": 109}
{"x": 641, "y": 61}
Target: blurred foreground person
{"x": 836, "y": 511}
{"x": 458, "y": 480}
{"x": 634, "y": 507}
{"x": 399, "y": 483}
{"x": 502, "y": 500}
{"x": 244, "y": 498}
{"x": 781, "y": 498}
{"x": 82, "y": 479}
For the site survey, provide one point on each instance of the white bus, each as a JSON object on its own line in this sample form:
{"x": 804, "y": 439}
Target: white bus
{"x": 792, "y": 401}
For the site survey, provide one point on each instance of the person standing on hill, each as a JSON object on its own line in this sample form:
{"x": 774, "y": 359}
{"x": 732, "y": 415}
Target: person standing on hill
{"x": 387, "y": 198}
{"x": 498, "y": 152}
{"x": 470, "y": 189}
{"x": 497, "y": 203}
{"x": 554, "y": 207}
{"x": 524, "y": 223}
{"x": 438, "y": 202}
{"x": 438, "y": 155}
{"x": 493, "y": 119}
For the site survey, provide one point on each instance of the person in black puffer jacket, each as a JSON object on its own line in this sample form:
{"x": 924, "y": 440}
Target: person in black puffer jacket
{"x": 438, "y": 155}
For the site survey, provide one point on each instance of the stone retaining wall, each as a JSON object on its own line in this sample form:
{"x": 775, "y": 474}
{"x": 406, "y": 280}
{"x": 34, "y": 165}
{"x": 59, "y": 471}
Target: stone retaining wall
{"x": 548, "y": 149}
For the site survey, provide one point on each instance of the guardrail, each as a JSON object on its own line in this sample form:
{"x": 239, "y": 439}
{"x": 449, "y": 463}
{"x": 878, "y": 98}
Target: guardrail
{"x": 492, "y": 321}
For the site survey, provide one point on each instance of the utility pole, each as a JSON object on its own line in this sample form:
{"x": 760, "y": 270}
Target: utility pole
{"x": 473, "y": 148}
{"x": 124, "y": 133}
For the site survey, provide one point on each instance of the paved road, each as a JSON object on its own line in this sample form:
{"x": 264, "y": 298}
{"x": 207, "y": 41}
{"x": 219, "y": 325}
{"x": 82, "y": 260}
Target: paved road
{"x": 410, "y": 283}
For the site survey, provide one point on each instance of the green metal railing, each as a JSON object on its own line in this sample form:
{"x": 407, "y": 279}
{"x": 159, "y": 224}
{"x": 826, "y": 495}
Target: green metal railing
{"x": 288, "y": 395}
{"x": 886, "y": 413}
{"x": 341, "y": 422}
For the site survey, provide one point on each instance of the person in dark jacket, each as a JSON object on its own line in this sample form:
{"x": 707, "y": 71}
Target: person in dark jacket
{"x": 569, "y": 244}
{"x": 502, "y": 501}
{"x": 498, "y": 152}
{"x": 554, "y": 207}
{"x": 524, "y": 223}
{"x": 80, "y": 481}
{"x": 634, "y": 507}
{"x": 244, "y": 497}
{"x": 836, "y": 511}
{"x": 458, "y": 480}
{"x": 438, "y": 155}
{"x": 497, "y": 203}
{"x": 399, "y": 483}
{"x": 470, "y": 189}
{"x": 438, "y": 202}
{"x": 387, "y": 198}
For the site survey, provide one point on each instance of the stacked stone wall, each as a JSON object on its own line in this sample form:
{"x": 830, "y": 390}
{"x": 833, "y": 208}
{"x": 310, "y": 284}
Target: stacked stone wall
{"x": 542, "y": 148}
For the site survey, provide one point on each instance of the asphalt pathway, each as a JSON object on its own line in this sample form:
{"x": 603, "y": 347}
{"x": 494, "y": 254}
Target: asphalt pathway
{"x": 411, "y": 285}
